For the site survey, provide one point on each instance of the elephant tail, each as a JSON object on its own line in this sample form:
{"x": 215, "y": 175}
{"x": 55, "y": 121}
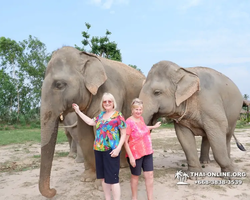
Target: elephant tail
{"x": 239, "y": 145}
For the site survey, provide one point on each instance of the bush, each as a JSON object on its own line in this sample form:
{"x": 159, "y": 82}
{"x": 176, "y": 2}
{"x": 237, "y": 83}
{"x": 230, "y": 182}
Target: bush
{"x": 22, "y": 120}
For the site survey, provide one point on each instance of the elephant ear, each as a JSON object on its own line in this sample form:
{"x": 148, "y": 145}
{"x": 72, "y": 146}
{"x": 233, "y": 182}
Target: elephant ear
{"x": 187, "y": 84}
{"x": 93, "y": 72}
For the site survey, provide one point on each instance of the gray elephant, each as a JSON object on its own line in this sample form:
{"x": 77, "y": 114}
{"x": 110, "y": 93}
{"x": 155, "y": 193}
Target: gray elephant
{"x": 77, "y": 77}
{"x": 202, "y": 102}
{"x": 70, "y": 128}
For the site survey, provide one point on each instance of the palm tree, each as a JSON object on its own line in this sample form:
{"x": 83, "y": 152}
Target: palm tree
{"x": 178, "y": 175}
{"x": 185, "y": 176}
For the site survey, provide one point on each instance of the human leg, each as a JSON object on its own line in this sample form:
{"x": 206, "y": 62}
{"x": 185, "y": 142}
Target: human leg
{"x": 107, "y": 190}
{"x": 100, "y": 173}
{"x": 148, "y": 173}
{"x": 135, "y": 173}
{"x": 111, "y": 174}
{"x": 149, "y": 181}
{"x": 134, "y": 186}
{"x": 116, "y": 191}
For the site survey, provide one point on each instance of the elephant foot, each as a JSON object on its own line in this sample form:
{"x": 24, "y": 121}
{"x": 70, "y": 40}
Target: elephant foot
{"x": 205, "y": 161}
{"x": 88, "y": 175}
{"x": 98, "y": 184}
{"x": 72, "y": 155}
{"x": 193, "y": 170}
{"x": 193, "y": 173}
{"x": 79, "y": 160}
{"x": 226, "y": 171}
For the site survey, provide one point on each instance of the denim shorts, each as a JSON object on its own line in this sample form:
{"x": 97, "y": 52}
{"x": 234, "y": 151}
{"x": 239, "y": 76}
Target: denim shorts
{"x": 107, "y": 167}
{"x": 145, "y": 163}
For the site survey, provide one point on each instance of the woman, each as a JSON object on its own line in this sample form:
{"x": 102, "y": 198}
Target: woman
{"x": 109, "y": 138}
{"x": 139, "y": 149}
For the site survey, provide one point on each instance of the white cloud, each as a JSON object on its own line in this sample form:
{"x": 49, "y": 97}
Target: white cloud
{"x": 96, "y": 2}
{"x": 107, "y": 4}
{"x": 189, "y": 4}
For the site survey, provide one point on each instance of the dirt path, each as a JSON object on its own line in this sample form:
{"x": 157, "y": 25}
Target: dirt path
{"x": 19, "y": 174}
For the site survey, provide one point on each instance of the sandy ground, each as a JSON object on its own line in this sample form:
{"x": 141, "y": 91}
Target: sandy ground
{"x": 19, "y": 174}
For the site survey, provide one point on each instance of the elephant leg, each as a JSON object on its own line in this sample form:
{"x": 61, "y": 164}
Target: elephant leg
{"x": 86, "y": 140}
{"x": 187, "y": 141}
{"x": 68, "y": 137}
{"x": 219, "y": 144}
{"x": 74, "y": 146}
{"x": 71, "y": 148}
{"x": 205, "y": 146}
{"x": 79, "y": 157}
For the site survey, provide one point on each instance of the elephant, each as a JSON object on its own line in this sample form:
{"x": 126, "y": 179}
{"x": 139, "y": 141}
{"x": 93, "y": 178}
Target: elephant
{"x": 202, "y": 102}
{"x": 70, "y": 127}
{"x": 74, "y": 76}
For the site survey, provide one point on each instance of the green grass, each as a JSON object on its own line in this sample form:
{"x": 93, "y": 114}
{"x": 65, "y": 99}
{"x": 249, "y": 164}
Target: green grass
{"x": 20, "y": 136}
{"x": 61, "y": 154}
{"x": 170, "y": 125}
{"x": 239, "y": 125}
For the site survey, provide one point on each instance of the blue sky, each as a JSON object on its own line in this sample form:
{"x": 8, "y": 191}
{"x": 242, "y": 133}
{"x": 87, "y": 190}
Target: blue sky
{"x": 209, "y": 33}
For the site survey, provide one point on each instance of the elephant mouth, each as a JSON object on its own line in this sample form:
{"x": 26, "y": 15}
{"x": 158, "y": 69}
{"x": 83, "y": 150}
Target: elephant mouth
{"x": 154, "y": 119}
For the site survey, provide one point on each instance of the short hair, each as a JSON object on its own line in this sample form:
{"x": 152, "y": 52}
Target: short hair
{"x": 112, "y": 98}
{"x": 135, "y": 103}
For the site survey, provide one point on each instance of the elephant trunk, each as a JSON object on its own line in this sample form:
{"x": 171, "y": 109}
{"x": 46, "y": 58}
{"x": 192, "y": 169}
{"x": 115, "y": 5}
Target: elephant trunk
{"x": 49, "y": 132}
{"x": 148, "y": 108}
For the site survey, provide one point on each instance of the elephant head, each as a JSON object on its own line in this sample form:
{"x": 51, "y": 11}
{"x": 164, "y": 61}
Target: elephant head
{"x": 71, "y": 77}
{"x": 166, "y": 89}
{"x": 202, "y": 101}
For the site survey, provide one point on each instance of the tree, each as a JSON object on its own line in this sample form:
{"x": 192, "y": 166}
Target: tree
{"x": 100, "y": 46}
{"x": 23, "y": 67}
{"x": 34, "y": 61}
{"x": 10, "y": 52}
{"x": 135, "y": 67}
{"x": 245, "y": 96}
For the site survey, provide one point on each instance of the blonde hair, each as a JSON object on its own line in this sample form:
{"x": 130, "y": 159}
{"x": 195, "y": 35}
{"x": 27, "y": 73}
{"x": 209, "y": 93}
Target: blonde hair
{"x": 112, "y": 98}
{"x": 135, "y": 103}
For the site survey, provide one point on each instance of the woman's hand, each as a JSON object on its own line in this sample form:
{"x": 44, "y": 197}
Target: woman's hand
{"x": 158, "y": 124}
{"x": 76, "y": 107}
{"x": 132, "y": 162}
{"x": 115, "y": 152}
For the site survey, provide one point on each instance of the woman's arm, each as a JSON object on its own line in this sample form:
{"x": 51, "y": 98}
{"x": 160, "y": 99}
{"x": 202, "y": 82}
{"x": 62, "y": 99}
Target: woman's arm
{"x": 117, "y": 150}
{"x": 130, "y": 155}
{"x": 122, "y": 139}
{"x": 158, "y": 124}
{"x": 84, "y": 117}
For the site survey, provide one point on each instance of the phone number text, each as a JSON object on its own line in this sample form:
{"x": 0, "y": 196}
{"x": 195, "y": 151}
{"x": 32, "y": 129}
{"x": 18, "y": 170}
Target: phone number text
{"x": 218, "y": 182}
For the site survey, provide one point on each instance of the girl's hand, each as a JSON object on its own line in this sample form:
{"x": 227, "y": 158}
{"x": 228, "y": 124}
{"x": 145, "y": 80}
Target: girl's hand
{"x": 132, "y": 162}
{"x": 75, "y": 106}
{"x": 115, "y": 152}
{"x": 158, "y": 124}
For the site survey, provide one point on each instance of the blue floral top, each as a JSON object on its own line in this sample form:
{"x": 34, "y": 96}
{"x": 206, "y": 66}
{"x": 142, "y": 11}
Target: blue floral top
{"x": 107, "y": 131}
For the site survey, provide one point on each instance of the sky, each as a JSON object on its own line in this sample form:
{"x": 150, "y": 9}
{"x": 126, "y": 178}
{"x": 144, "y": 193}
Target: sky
{"x": 214, "y": 33}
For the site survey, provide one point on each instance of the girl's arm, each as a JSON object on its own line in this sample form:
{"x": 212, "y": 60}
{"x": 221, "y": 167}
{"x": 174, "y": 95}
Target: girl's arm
{"x": 117, "y": 150}
{"x": 158, "y": 124}
{"x": 130, "y": 155}
{"x": 84, "y": 117}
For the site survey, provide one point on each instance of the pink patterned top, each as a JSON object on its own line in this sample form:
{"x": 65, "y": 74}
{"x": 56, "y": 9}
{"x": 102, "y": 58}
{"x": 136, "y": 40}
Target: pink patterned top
{"x": 139, "y": 141}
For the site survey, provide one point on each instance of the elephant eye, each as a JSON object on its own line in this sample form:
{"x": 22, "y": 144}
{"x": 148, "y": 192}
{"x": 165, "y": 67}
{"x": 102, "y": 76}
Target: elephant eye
{"x": 59, "y": 85}
{"x": 157, "y": 92}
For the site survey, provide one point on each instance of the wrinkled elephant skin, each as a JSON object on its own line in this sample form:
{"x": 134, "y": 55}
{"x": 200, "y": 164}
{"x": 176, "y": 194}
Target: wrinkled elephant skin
{"x": 73, "y": 76}
{"x": 70, "y": 128}
{"x": 202, "y": 102}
